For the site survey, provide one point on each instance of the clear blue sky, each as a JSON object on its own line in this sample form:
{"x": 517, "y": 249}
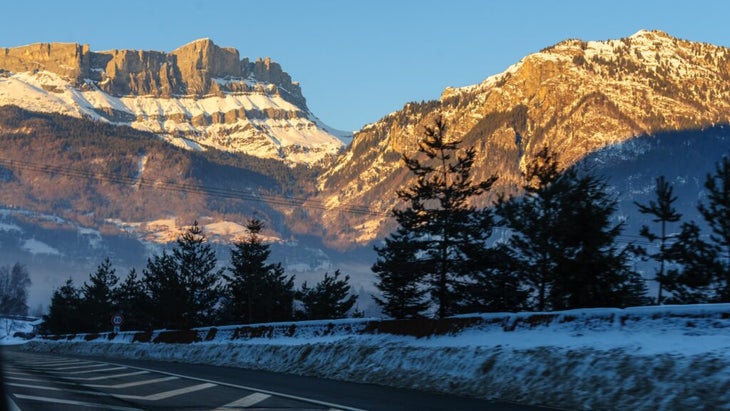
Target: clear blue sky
{"x": 359, "y": 60}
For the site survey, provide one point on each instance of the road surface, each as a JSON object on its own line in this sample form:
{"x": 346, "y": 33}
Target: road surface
{"x": 61, "y": 382}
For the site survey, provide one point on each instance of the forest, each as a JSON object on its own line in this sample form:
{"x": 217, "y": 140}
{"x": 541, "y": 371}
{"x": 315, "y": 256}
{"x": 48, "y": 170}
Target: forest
{"x": 554, "y": 247}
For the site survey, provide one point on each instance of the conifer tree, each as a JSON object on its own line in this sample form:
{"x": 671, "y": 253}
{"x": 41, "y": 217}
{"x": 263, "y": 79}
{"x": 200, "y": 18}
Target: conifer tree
{"x": 563, "y": 240}
{"x": 704, "y": 264}
{"x": 64, "y": 312}
{"x": 166, "y": 291}
{"x": 133, "y": 303}
{"x": 99, "y": 297}
{"x": 694, "y": 281}
{"x": 257, "y": 291}
{"x": 716, "y": 212}
{"x": 399, "y": 278}
{"x": 441, "y": 231}
{"x": 196, "y": 262}
{"x": 328, "y": 299}
{"x": 664, "y": 213}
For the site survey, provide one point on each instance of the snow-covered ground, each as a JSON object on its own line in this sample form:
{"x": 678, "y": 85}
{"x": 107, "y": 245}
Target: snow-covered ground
{"x": 644, "y": 358}
{"x": 9, "y": 327}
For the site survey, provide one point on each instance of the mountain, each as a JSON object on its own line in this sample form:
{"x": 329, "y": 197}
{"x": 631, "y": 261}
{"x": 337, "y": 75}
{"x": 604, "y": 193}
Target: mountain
{"x": 576, "y": 96}
{"x": 198, "y": 96}
{"x": 87, "y": 169}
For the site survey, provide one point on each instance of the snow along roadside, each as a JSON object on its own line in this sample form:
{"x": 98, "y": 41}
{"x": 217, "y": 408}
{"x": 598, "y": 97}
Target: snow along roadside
{"x": 656, "y": 358}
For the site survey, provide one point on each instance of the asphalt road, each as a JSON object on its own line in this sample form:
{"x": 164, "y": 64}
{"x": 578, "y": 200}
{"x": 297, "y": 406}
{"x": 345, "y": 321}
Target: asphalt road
{"x": 54, "y": 382}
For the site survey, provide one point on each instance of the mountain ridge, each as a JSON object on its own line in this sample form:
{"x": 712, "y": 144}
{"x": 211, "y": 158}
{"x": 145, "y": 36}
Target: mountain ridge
{"x": 196, "y": 96}
{"x": 576, "y": 96}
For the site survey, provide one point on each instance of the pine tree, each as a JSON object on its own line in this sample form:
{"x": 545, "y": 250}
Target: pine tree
{"x": 533, "y": 247}
{"x": 166, "y": 291}
{"x": 196, "y": 262}
{"x": 133, "y": 303}
{"x": 99, "y": 299}
{"x": 439, "y": 229}
{"x": 694, "y": 281}
{"x": 716, "y": 213}
{"x": 328, "y": 299}
{"x": 257, "y": 291}
{"x": 64, "y": 313}
{"x": 664, "y": 213}
{"x": 703, "y": 272}
{"x": 563, "y": 242}
{"x": 399, "y": 278}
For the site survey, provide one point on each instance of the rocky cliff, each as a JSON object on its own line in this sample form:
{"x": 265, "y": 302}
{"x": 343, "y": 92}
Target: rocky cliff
{"x": 199, "y": 95}
{"x": 576, "y": 96}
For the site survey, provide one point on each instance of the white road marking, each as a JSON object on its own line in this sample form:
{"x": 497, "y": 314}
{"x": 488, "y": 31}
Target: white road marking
{"x": 152, "y": 397}
{"x": 113, "y": 386}
{"x": 243, "y": 387}
{"x": 90, "y": 371}
{"x": 12, "y": 406}
{"x": 166, "y": 394}
{"x": 106, "y": 377}
{"x": 44, "y": 364}
{"x": 131, "y": 384}
{"x": 78, "y": 403}
{"x": 245, "y": 402}
{"x": 77, "y": 367}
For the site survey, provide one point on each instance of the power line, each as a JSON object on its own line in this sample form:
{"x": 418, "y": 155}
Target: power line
{"x": 246, "y": 195}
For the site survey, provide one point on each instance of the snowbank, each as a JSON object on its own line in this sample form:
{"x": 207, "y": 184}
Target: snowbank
{"x": 647, "y": 358}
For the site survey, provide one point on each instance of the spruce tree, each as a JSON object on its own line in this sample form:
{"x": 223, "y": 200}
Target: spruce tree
{"x": 196, "y": 262}
{"x": 533, "y": 248}
{"x": 65, "y": 312}
{"x": 257, "y": 291}
{"x": 99, "y": 297}
{"x": 328, "y": 299}
{"x": 716, "y": 212}
{"x": 133, "y": 303}
{"x": 399, "y": 278}
{"x": 703, "y": 273}
{"x": 694, "y": 280}
{"x": 442, "y": 233}
{"x": 664, "y": 213}
{"x": 563, "y": 240}
{"x": 166, "y": 291}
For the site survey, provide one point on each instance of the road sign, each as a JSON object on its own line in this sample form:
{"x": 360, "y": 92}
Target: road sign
{"x": 117, "y": 320}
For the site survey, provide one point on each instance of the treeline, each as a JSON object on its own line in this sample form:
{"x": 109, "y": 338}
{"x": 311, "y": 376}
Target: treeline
{"x": 185, "y": 288}
{"x": 556, "y": 245}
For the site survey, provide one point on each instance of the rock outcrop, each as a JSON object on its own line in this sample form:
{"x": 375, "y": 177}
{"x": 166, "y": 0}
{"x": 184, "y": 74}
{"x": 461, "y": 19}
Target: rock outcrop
{"x": 199, "y": 95}
{"x": 195, "y": 69}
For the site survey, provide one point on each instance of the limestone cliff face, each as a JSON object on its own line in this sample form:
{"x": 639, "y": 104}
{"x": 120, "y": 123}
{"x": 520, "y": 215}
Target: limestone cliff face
{"x": 190, "y": 70}
{"x": 67, "y": 59}
{"x": 197, "y": 96}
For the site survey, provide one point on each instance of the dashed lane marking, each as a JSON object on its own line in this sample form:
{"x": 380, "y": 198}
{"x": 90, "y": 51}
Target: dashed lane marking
{"x": 76, "y": 403}
{"x": 131, "y": 384}
{"x": 247, "y": 388}
{"x": 90, "y": 371}
{"x": 78, "y": 367}
{"x": 152, "y": 397}
{"x": 245, "y": 402}
{"x": 106, "y": 377}
{"x": 111, "y": 386}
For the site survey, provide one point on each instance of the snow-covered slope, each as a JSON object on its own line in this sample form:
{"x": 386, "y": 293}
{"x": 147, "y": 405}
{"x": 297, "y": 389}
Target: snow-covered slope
{"x": 237, "y": 112}
{"x": 642, "y": 358}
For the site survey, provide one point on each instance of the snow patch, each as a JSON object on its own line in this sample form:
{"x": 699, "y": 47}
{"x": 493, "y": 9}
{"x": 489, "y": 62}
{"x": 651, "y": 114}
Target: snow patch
{"x": 37, "y": 247}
